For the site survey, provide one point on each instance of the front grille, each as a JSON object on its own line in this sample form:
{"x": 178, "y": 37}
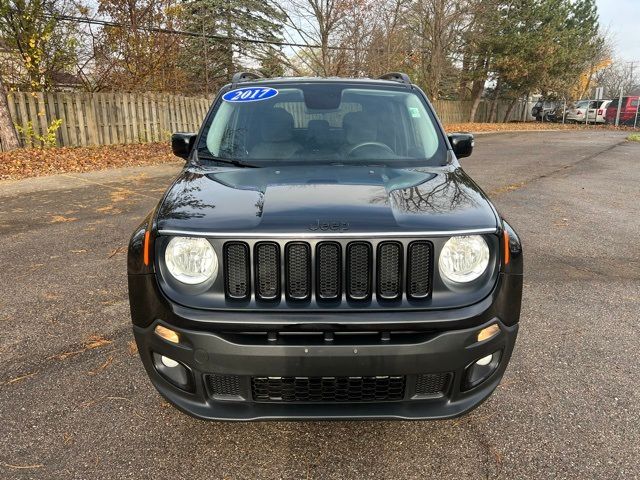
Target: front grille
{"x": 428, "y": 384}
{"x": 267, "y": 270}
{"x": 329, "y": 271}
{"x": 328, "y": 389}
{"x": 329, "y": 258}
{"x": 419, "y": 270}
{"x": 358, "y": 270}
{"x": 237, "y": 270}
{"x": 389, "y": 270}
{"x": 298, "y": 260}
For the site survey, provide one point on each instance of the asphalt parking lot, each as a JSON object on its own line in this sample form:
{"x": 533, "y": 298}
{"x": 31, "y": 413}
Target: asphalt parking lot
{"x": 75, "y": 401}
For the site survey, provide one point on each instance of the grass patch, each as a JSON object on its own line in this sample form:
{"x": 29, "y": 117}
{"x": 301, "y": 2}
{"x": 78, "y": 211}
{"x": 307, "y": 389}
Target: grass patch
{"x": 634, "y": 137}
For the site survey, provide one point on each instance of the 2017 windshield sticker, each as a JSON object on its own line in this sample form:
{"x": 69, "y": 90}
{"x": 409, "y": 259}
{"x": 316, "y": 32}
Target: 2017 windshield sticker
{"x": 249, "y": 94}
{"x": 415, "y": 113}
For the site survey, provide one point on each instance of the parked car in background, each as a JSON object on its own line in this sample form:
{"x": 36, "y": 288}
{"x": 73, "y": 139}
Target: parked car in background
{"x": 577, "y": 113}
{"x": 627, "y": 112}
{"x": 599, "y": 115}
{"x": 547, "y": 111}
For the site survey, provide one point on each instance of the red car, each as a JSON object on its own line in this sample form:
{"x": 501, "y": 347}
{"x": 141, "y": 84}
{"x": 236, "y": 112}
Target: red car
{"x": 627, "y": 113}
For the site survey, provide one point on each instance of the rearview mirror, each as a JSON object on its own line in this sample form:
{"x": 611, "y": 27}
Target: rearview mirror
{"x": 182, "y": 144}
{"x": 462, "y": 144}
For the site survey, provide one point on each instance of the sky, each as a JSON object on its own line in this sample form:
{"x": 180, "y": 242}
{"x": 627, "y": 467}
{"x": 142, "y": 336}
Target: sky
{"x": 621, "y": 18}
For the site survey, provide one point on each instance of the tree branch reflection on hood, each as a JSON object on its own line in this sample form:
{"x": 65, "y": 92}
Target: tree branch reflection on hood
{"x": 183, "y": 202}
{"x": 441, "y": 194}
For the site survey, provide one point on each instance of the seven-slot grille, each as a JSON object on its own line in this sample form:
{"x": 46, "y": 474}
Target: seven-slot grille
{"x": 329, "y": 269}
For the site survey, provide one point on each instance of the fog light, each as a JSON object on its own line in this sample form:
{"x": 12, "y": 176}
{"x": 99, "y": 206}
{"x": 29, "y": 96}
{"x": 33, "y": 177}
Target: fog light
{"x": 168, "y": 362}
{"x": 168, "y": 334}
{"x": 480, "y": 370}
{"x": 482, "y": 362}
{"x": 488, "y": 332}
{"x": 173, "y": 371}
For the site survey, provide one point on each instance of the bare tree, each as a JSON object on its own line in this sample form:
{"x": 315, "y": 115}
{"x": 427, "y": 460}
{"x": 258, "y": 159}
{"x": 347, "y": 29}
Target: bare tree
{"x": 132, "y": 56}
{"x": 317, "y": 23}
{"x": 619, "y": 75}
{"x": 437, "y": 26}
{"x": 389, "y": 48}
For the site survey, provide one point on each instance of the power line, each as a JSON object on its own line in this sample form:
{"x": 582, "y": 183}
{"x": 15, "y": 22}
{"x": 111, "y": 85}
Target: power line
{"x": 170, "y": 31}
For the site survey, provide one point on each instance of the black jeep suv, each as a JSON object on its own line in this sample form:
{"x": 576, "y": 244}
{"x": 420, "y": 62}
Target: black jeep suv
{"x": 323, "y": 255}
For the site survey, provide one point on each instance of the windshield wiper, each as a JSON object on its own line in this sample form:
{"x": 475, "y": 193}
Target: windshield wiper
{"x": 237, "y": 163}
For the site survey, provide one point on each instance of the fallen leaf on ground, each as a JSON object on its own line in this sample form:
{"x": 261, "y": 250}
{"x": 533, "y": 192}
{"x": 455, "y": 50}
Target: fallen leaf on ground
{"x": 95, "y": 341}
{"x": 108, "y": 209}
{"x": 507, "y": 188}
{"x": 101, "y": 367}
{"x": 20, "y": 378}
{"x": 117, "y": 251}
{"x": 36, "y": 162}
{"x": 62, "y": 219}
{"x": 22, "y": 467}
{"x": 121, "y": 195}
{"x": 133, "y": 347}
{"x": 516, "y": 126}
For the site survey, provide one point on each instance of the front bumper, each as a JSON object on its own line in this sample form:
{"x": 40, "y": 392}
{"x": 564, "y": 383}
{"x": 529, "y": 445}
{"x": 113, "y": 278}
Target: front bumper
{"x": 235, "y": 346}
{"x": 205, "y": 353}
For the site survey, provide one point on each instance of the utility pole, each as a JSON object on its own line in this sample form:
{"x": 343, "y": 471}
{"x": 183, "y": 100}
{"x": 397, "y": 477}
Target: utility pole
{"x": 619, "y": 106}
{"x": 205, "y": 47}
{"x": 635, "y": 120}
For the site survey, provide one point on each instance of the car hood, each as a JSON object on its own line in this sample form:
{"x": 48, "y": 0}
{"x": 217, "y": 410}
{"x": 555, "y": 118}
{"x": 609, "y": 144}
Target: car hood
{"x": 327, "y": 198}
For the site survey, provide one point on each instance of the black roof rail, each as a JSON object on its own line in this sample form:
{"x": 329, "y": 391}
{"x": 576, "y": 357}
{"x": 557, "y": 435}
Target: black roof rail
{"x": 243, "y": 77}
{"x": 396, "y": 77}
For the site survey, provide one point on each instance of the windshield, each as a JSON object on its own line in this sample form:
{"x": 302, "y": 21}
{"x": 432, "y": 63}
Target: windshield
{"x": 321, "y": 123}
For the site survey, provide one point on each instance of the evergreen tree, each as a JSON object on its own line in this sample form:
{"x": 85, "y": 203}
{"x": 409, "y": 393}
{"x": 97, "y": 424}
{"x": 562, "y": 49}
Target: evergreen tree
{"x": 210, "y": 62}
{"x": 544, "y": 45}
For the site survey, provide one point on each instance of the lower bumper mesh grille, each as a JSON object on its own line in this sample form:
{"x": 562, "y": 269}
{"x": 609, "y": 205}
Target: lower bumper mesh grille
{"x": 429, "y": 384}
{"x": 223, "y": 385}
{"x": 328, "y": 389}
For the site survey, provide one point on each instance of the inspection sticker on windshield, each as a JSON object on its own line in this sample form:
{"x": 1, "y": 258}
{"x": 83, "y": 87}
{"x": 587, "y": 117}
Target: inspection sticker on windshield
{"x": 250, "y": 94}
{"x": 415, "y": 113}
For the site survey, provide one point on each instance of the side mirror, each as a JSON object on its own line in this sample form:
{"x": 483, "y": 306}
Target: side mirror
{"x": 182, "y": 144}
{"x": 462, "y": 144}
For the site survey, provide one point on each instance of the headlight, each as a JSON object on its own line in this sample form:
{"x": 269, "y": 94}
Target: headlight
{"x": 463, "y": 259}
{"x": 191, "y": 260}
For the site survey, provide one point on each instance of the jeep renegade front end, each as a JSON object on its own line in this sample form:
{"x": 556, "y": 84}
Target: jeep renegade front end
{"x": 323, "y": 255}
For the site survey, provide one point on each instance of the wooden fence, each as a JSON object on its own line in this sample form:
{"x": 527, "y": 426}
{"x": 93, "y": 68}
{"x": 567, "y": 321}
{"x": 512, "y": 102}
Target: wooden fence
{"x": 458, "y": 111}
{"x": 105, "y": 118}
{"x": 112, "y": 118}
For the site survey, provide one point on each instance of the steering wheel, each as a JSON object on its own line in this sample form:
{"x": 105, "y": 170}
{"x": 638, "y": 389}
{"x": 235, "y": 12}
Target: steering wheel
{"x": 370, "y": 144}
